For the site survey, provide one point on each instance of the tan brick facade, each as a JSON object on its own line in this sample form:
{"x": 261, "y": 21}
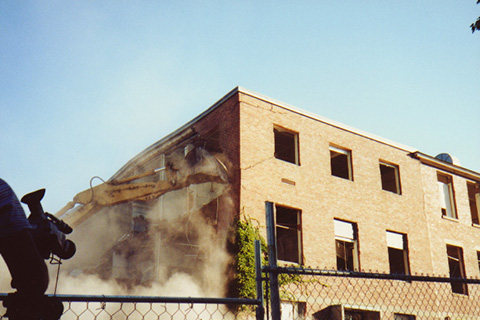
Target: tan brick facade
{"x": 322, "y": 197}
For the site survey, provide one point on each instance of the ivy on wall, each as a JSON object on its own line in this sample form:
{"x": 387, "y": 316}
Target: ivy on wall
{"x": 246, "y": 234}
{"x": 244, "y": 282}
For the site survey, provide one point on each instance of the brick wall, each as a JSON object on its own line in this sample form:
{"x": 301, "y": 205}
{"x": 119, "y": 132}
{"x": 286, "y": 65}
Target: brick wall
{"x": 247, "y": 137}
{"x": 457, "y": 232}
{"x": 323, "y": 197}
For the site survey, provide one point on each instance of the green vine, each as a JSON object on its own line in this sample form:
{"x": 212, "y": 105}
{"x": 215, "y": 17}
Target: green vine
{"x": 246, "y": 234}
{"x": 244, "y": 283}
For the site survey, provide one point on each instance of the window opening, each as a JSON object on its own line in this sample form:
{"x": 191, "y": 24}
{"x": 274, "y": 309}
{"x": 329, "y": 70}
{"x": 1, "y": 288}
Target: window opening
{"x": 356, "y": 314}
{"x": 447, "y": 202}
{"x": 293, "y": 310}
{"x": 474, "y": 201}
{"x": 478, "y": 260}
{"x": 288, "y": 231}
{"x": 390, "y": 177}
{"x": 397, "y": 253}
{"x": 457, "y": 268}
{"x": 341, "y": 163}
{"x": 399, "y": 316}
{"x": 286, "y": 145}
{"x": 346, "y": 245}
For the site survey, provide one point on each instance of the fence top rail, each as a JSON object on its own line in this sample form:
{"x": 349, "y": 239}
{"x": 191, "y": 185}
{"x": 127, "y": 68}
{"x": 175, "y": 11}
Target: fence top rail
{"x": 149, "y": 299}
{"x": 366, "y": 275}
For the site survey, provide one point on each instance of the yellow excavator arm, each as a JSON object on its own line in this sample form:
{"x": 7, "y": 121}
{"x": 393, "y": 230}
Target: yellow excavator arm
{"x": 115, "y": 192}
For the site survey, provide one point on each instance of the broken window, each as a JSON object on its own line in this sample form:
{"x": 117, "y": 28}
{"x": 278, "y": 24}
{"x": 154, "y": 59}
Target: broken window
{"x": 346, "y": 245}
{"x": 286, "y": 145}
{"x": 289, "y": 237}
{"x": 390, "y": 177}
{"x": 457, "y": 268}
{"x": 341, "y": 163}
{"x": 397, "y": 253}
{"x": 447, "y": 202}
{"x": 474, "y": 200}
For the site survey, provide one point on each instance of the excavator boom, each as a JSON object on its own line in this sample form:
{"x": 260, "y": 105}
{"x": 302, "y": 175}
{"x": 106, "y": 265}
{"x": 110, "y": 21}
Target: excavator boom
{"x": 115, "y": 192}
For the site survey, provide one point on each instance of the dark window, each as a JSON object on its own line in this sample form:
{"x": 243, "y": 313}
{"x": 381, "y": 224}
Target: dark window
{"x": 341, "y": 163}
{"x": 345, "y": 255}
{"x": 355, "y": 314}
{"x": 457, "y": 268}
{"x": 478, "y": 259}
{"x": 390, "y": 177}
{"x": 473, "y": 199}
{"x": 286, "y": 145}
{"x": 397, "y": 253}
{"x": 346, "y": 245}
{"x": 399, "y": 316}
{"x": 288, "y": 230}
{"x": 447, "y": 198}
{"x": 397, "y": 261}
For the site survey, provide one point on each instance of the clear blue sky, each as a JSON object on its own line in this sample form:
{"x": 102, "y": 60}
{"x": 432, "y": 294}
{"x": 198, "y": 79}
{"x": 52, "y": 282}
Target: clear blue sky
{"x": 87, "y": 85}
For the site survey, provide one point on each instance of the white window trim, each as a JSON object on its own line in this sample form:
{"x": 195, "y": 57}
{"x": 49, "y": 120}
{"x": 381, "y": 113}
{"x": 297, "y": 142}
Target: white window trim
{"x": 446, "y": 197}
{"x": 343, "y": 233}
{"x": 397, "y": 240}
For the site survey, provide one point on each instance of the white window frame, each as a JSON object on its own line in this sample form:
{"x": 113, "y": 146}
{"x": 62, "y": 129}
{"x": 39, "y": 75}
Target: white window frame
{"x": 446, "y": 196}
{"x": 396, "y": 240}
{"x": 345, "y": 231}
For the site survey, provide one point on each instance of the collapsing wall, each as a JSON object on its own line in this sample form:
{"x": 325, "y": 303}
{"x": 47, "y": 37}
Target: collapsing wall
{"x": 142, "y": 243}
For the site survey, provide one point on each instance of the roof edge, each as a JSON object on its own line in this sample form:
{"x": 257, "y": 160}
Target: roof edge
{"x": 328, "y": 121}
{"x": 177, "y": 133}
{"x": 439, "y": 164}
{"x": 412, "y": 151}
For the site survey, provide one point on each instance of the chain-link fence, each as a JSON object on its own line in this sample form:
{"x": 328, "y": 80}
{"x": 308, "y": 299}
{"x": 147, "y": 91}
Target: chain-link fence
{"x": 326, "y": 294}
{"x": 78, "y": 307}
{"x": 303, "y": 294}
{"x": 299, "y": 294}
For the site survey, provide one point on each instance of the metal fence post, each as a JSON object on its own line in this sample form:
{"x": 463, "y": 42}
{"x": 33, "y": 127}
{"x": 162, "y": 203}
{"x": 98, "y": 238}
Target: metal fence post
{"x": 272, "y": 261}
{"x": 260, "y": 311}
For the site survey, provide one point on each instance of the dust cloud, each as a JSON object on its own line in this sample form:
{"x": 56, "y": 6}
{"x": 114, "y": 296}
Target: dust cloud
{"x": 173, "y": 245}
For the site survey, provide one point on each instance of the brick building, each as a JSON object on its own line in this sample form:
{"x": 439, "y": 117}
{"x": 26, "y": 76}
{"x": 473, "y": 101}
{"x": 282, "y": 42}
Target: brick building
{"x": 344, "y": 199}
{"x": 344, "y": 184}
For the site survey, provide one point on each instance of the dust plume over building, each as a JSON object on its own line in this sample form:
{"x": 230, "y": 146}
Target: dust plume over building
{"x": 166, "y": 234}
